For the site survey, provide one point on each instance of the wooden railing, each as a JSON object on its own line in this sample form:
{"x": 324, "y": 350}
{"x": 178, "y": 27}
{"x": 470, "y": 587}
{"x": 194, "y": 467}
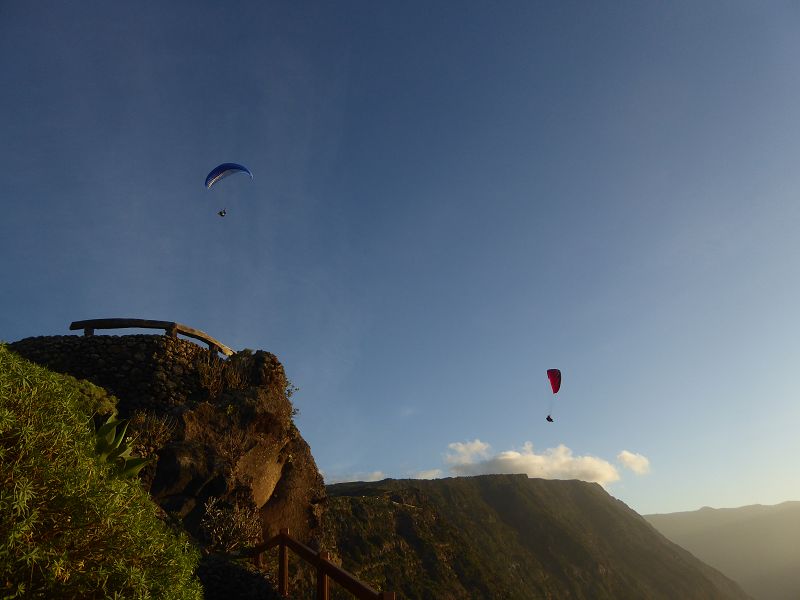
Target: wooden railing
{"x": 326, "y": 570}
{"x": 170, "y": 328}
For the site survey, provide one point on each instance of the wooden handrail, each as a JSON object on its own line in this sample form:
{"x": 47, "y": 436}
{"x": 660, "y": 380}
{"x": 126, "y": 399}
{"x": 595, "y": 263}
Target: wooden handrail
{"x": 171, "y": 328}
{"x": 321, "y": 561}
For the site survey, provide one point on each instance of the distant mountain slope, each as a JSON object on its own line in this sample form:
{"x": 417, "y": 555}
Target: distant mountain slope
{"x": 757, "y": 546}
{"x": 508, "y": 537}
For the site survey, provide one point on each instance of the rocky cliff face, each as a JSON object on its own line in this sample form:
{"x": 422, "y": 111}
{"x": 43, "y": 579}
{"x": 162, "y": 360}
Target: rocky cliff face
{"x": 221, "y": 430}
{"x": 508, "y": 537}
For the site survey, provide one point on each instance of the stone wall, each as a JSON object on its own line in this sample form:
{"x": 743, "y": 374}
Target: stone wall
{"x": 147, "y": 372}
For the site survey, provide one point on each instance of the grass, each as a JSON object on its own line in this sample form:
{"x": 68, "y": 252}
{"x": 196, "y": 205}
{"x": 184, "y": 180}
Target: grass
{"x": 68, "y": 527}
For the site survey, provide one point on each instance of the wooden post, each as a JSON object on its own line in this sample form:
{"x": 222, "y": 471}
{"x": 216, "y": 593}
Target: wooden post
{"x": 88, "y": 332}
{"x": 172, "y": 330}
{"x": 260, "y": 561}
{"x": 283, "y": 566}
{"x": 322, "y": 578}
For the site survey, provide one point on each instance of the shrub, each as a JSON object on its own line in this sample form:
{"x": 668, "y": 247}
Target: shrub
{"x": 151, "y": 432}
{"x": 68, "y": 529}
{"x": 230, "y": 527}
{"x": 217, "y": 375}
{"x": 238, "y": 370}
{"x": 209, "y": 369}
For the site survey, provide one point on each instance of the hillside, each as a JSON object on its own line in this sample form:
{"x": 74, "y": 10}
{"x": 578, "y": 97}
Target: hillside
{"x": 229, "y": 466}
{"x": 222, "y": 432}
{"x": 757, "y": 546}
{"x": 71, "y": 525}
{"x": 509, "y": 537}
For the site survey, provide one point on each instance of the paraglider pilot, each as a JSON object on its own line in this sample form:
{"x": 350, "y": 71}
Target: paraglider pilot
{"x": 554, "y": 375}
{"x": 222, "y": 171}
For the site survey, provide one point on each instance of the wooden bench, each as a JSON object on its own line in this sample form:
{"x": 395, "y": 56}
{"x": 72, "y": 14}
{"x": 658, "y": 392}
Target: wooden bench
{"x": 170, "y": 328}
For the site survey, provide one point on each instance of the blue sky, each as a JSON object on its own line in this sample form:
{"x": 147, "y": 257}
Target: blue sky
{"x": 448, "y": 199}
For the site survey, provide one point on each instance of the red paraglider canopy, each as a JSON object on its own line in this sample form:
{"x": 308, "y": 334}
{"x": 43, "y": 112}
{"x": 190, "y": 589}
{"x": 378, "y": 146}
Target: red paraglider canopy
{"x": 554, "y": 375}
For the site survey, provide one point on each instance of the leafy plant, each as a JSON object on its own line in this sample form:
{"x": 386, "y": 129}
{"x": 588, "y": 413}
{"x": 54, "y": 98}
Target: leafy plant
{"x": 112, "y": 448}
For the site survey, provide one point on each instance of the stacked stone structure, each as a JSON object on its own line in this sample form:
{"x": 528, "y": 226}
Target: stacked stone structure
{"x": 146, "y": 372}
{"x": 233, "y": 438}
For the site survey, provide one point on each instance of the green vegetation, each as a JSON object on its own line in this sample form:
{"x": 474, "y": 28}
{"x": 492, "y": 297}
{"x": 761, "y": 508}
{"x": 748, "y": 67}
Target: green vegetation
{"x": 230, "y": 527}
{"x": 150, "y": 432}
{"x": 236, "y": 373}
{"x": 111, "y": 447}
{"x": 68, "y": 527}
{"x": 217, "y": 375}
{"x": 507, "y": 537}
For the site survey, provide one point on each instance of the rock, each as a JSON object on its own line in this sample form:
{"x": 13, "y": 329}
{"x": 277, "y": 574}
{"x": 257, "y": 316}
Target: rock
{"x": 225, "y": 579}
{"x": 233, "y": 442}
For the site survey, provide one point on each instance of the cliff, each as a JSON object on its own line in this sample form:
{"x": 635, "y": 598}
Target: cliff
{"x": 508, "y": 537}
{"x": 221, "y": 431}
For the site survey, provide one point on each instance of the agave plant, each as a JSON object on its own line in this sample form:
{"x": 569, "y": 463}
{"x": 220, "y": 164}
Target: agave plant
{"x": 111, "y": 448}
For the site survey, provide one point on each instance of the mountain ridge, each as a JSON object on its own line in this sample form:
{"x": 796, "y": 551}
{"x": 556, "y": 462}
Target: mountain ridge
{"x": 510, "y": 537}
{"x": 756, "y": 545}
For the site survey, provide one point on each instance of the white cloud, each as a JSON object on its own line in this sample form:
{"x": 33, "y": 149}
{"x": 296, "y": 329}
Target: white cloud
{"x": 637, "y": 463}
{"x": 467, "y": 453}
{"x": 429, "y": 474}
{"x": 475, "y": 458}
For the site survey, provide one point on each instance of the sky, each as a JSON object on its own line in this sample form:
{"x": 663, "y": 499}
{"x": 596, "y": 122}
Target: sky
{"x": 448, "y": 199}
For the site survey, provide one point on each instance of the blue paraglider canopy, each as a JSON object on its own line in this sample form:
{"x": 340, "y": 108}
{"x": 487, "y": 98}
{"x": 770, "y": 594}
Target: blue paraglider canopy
{"x": 223, "y": 171}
